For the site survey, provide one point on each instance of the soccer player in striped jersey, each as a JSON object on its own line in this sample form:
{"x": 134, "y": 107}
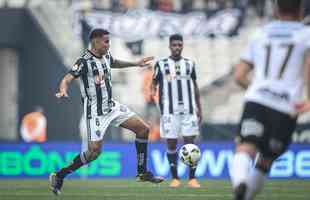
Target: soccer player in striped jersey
{"x": 179, "y": 102}
{"x": 279, "y": 56}
{"x": 101, "y": 110}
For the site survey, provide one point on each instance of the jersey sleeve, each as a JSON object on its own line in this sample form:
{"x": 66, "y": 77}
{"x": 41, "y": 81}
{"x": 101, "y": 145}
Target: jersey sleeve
{"x": 111, "y": 58}
{"x": 248, "y": 53}
{"x": 303, "y": 38}
{"x": 76, "y": 69}
{"x": 193, "y": 74}
{"x": 157, "y": 74}
{"x": 307, "y": 50}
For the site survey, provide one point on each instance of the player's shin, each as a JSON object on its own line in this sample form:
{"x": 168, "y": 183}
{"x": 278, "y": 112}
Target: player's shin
{"x": 240, "y": 168}
{"x": 141, "y": 150}
{"x": 192, "y": 171}
{"x": 254, "y": 183}
{"x": 172, "y": 158}
{"x": 77, "y": 162}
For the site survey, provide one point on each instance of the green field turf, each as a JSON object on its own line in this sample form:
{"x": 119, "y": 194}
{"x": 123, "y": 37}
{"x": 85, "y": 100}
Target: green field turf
{"x": 130, "y": 190}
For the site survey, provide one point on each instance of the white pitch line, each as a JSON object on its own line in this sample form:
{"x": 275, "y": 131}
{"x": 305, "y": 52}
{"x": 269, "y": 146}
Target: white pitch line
{"x": 146, "y": 195}
{"x": 69, "y": 185}
{"x": 119, "y": 195}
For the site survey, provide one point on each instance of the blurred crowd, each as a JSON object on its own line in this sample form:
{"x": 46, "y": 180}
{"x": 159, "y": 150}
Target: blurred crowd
{"x": 260, "y": 8}
{"x": 177, "y": 6}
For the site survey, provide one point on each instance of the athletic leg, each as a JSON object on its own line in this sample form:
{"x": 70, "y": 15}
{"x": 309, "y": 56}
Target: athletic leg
{"x": 56, "y": 179}
{"x": 141, "y": 129}
{"x": 193, "y": 182}
{"x": 172, "y": 156}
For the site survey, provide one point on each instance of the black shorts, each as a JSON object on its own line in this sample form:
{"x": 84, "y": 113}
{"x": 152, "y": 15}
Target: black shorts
{"x": 270, "y": 130}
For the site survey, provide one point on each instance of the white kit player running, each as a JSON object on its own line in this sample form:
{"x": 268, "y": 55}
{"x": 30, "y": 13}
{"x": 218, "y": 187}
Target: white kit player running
{"x": 179, "y": 102}
{"x": 278, "y": 55}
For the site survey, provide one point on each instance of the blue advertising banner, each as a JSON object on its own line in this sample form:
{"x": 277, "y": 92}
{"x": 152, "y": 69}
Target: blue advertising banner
{"x": 119, "y": 161}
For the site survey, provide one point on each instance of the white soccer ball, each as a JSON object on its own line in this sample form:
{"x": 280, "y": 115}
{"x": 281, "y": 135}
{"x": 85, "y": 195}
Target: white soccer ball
{"x": 189, "y": 154}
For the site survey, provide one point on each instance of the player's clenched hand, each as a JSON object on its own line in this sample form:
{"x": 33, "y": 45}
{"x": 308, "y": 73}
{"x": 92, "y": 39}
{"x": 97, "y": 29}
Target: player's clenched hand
{"x": 153, "y": 93}
{"x": 98, "y": 79}
{"x": 199, "y": 115}
{"x": 62, "y": 93}
{"x": 145, "y": 62}
{"x": 303, "y": 107}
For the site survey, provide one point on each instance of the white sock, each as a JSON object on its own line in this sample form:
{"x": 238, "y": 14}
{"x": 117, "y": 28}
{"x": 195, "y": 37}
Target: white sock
{"x": 254, "y": 183}
{"x": 240, "y": 168}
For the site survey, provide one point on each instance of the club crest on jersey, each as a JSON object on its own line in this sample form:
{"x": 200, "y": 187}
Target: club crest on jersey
{"x": 97, "y": 122}
{"x": 98, "y": 133}
{"x": 170, "y": 77}
{"x": 76, "y": 67}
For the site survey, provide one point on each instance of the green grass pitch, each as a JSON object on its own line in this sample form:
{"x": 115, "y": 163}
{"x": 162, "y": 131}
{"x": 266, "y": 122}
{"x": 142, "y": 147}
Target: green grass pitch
{"x": 103, "y": 189}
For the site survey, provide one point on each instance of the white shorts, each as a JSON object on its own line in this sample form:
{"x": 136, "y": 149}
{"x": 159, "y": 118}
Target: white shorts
{"x": 173, "y": 126}
{"x": 97, "y": 125}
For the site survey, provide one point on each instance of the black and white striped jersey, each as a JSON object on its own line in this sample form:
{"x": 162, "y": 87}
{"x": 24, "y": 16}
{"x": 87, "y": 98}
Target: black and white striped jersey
{"x": 98, "y": 96}
{"x": 175, "y": 79}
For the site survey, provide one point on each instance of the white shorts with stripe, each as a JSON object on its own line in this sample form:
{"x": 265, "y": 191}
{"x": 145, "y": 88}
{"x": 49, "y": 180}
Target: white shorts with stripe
{"x": 173, "y": 126}
{"x": 97, "y": 125}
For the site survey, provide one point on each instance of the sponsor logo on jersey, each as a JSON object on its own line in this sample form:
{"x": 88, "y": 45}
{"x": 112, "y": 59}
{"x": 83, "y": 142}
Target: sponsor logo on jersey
{"x": 279, "y": 95}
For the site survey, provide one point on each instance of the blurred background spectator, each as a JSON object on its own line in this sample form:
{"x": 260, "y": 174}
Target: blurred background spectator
{"x": 33, "y": 126}
{"x": 151, "y": 109}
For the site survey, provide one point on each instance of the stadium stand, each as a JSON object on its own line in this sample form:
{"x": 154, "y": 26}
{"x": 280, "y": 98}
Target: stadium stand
{"x": 215, "y": 56}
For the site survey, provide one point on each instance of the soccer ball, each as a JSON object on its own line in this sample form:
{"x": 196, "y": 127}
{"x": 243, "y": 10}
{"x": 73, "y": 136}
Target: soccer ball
{"x": 189, "y": 154}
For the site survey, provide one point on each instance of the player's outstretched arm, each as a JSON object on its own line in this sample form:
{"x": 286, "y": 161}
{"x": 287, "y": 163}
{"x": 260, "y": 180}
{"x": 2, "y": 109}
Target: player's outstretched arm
{"x": 198, "y": 102}
{"x": 241, "y": 72}
{"x": 144, "y": 62}
{"x": 64, "y": 85}
{"x": 304, "y": 106}
{"x": 154, "y": 88}
{"x": 155, "y": 80}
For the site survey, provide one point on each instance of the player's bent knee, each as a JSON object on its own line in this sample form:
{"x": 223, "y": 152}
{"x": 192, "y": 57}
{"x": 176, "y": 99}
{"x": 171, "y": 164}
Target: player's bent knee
{"x": 146, "y": 130}
{"x": 249, "y": 148}
{"x": 264, "y": 165}
{"x": 276, "y": 148}
{"x": 91, "y": 155}
{"x": 189, "y": 139}
{"x": 172, "y": 148}
{"x": 94, "y": 154}
{"x": 143, "y": 132}
{"x": 172, "y": 144}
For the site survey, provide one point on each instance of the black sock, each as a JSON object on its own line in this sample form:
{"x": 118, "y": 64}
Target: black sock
{"x": 172, "y": 158}
{"x": 76, "y": 164}
{"x": 141, "y": 149}
{"x": 192, "y": 171}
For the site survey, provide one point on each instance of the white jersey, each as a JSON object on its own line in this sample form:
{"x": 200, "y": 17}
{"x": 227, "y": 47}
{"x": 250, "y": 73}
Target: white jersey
{"x": 277, "y": 54}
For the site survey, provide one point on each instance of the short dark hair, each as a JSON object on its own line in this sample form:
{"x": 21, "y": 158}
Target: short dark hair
{"x": 289, "y": 6}
{"x": 98, "y": 32}
{"x": 175, "y": 37}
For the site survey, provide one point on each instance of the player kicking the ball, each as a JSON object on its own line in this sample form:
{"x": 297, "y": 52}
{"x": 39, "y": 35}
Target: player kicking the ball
{"x": 101, "y": 110}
